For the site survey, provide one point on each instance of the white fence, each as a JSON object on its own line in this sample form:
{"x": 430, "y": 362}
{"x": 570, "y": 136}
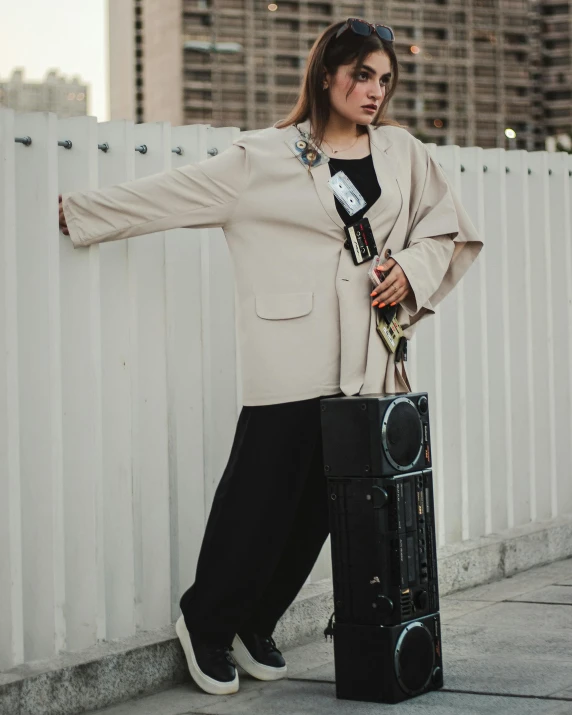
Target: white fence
{"x": 118, "y": 378}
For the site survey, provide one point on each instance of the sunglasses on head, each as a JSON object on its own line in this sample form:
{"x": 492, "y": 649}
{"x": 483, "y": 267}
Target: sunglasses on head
{"x": 363, "y": 28}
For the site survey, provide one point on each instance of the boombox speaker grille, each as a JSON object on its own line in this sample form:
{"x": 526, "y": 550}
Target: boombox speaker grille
{"x": 402, "y": 434}
{"x": 414, "y": 658}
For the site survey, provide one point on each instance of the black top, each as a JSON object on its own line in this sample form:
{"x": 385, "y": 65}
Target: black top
{"x": 362, "y": 175}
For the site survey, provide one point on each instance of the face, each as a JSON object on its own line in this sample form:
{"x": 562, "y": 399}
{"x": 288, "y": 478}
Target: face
{"x": 362, "y": 105}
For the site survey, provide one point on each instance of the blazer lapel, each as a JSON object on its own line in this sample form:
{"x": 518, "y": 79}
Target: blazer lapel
{"x": 385, "y": 169}
{"x": 320, "y": 176}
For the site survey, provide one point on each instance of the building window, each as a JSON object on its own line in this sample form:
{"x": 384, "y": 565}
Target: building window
{"x": 318, "y": 9}
{"x": 431, "y": 33}
{"x": 404, "y": 31}
{"x": 197, "y": 115}
{"x": 563, "y": 9}
{"x": 198, "y": 95}
{"x": 198, "y": 75}
{"x": 287, "y": 81}
{"x": 283, "y": 25}
{"x": 287, "y": 61}
{"x": 558, "y": 96}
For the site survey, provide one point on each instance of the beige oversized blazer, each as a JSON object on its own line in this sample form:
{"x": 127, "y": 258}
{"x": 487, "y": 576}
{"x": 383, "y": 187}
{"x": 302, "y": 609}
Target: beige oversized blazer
{"x": 306, "y": 325}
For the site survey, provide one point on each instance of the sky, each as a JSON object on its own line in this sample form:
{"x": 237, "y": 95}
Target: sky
{"x": 69, "y": 35}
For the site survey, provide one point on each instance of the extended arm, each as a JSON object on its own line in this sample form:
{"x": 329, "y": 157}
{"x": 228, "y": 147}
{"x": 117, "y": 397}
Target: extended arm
{"x": 202, "y": 195}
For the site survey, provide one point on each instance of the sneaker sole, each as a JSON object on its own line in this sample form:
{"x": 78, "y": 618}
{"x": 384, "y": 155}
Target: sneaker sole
{"x": 259, "y": 671}
{"x": 206, "y": 683}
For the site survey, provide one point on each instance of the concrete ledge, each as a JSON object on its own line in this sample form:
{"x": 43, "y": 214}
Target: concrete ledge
{"x": 494, "y": 557}
{"x": 114, "y": 671}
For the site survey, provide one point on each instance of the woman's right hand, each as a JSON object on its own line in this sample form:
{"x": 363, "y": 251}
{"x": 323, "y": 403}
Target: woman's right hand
{"x": 63, "y": 225}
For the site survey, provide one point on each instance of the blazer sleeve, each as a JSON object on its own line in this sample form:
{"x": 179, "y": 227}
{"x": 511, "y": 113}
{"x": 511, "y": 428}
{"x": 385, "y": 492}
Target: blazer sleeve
{"x": 442, "y": 241}
{"x": 201, "y": 195}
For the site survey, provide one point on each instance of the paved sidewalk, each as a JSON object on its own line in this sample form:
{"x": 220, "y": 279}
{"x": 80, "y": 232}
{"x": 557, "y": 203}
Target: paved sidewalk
{"x": 507, "y": 650}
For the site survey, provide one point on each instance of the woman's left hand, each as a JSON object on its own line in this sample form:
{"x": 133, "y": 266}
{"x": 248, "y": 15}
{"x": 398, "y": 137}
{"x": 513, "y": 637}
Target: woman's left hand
{"x": 394, "y": 288}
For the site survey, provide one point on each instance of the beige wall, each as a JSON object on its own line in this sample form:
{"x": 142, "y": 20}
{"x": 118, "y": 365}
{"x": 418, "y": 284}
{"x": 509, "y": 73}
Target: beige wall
{"x": 121, "y": 59}
{"x": 162, "y": 61}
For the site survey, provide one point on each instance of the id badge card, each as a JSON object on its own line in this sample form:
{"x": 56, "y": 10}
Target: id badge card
{"x": 360, "y": 241}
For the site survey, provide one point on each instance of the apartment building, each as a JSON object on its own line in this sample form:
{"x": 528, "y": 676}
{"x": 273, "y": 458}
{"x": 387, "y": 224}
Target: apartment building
{"x": 556, "y": 80}
{"x": 470, "y": 69}
{"x": 65, "y": 97}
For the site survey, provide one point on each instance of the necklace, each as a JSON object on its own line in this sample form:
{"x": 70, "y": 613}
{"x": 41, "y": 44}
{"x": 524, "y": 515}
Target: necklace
{"x": 337, "y": 151}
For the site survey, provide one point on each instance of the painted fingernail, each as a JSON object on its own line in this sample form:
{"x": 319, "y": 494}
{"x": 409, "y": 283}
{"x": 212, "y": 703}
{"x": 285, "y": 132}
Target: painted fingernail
{"x": 375, "y": 302}
{"x": 372, "y": 294}
{"x": 382, "y": 305}
{"x": 392, "y": 304}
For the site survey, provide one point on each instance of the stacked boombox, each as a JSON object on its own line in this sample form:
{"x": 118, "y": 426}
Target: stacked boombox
{"x": 377, "y": 457}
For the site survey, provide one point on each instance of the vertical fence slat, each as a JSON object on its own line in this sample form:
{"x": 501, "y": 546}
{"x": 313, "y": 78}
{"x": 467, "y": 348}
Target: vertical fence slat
{"x": 520, "y": 325}
{"x": 538, "y": 214}
{"x": 117, "y": 357}
{"x": 81, "y": 400}
{"x": 453, "y": 381}
{"x": 150, "y": 428}
{"x": 499, "y": 417}
{"x": 11, "y": 616}
{"x": 185, "y": 380}
{"x": 561, "y": 281}
{"x": 426, "y": 347}
{"x": 39, "y": 358}
{"x": 219, "y": 358}
{"x": 476, "y": 352}
{"x": 568, "y": 171}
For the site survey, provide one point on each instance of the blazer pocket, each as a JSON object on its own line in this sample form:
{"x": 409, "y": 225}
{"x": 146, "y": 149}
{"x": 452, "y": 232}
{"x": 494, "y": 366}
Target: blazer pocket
{"x": 283, "y": 306}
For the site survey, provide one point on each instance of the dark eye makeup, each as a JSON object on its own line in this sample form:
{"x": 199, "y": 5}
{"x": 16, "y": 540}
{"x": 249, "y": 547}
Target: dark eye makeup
{"x": 384, "y": 81}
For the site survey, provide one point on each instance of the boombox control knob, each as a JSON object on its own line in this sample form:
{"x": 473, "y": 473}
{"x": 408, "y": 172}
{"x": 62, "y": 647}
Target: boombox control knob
{"x": 380, "y": 497}
{"x": 384, "y": 603}
{"x": 423, "y": 405}
{"x": 421, "y": 600}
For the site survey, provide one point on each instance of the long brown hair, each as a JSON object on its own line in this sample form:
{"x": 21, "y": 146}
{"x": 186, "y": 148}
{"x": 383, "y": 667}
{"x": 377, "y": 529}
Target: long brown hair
{"x": 327, "y": 54}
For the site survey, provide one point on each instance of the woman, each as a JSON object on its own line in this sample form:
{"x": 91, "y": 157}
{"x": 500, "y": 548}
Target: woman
{"x": 307, "y": 318}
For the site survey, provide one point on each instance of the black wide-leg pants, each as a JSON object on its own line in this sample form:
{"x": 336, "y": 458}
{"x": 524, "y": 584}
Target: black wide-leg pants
{"x": 267, "y": 525}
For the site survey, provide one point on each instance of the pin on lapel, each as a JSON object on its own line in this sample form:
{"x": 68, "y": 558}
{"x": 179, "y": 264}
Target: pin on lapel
{"x": 306, "y": 152}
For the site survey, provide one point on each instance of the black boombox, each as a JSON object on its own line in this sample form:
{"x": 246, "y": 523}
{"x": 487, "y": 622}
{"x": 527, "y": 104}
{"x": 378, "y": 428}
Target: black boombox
{"x": 384, "y": 553}
{"x": 377, "y": 457}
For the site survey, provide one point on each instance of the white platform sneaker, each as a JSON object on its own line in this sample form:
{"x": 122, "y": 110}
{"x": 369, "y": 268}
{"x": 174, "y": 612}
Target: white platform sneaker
{"x": 211, "y": 666}
{"x": 259, "y": 657}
